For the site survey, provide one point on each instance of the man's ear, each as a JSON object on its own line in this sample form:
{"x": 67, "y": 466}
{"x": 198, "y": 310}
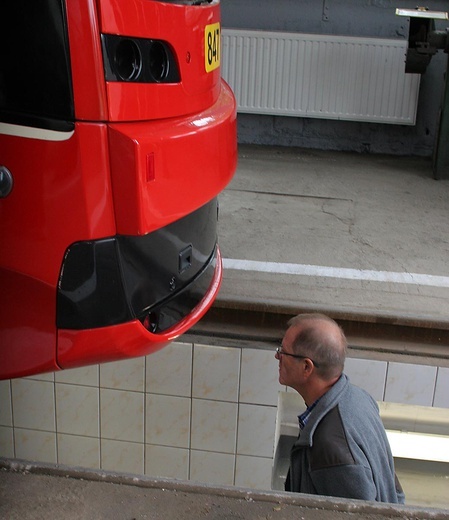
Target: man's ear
{"x": 308, "y": 366}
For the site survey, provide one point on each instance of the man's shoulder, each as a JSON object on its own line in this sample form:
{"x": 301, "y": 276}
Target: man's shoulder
{"x": 355, "y": 401}
{"x": 345, "y": 393}
{"x": 330, "y": 444}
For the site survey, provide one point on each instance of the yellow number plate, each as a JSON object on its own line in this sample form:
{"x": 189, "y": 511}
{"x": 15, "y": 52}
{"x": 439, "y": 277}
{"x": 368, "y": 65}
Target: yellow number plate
{"x": 212, "y": 46}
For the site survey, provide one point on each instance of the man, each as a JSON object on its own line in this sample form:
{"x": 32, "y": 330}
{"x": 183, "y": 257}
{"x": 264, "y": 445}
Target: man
{"x": 342, "y": 449}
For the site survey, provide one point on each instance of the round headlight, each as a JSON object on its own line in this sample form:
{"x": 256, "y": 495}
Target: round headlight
{"x": 158, "y": 61}
{"x": 127, "y": 60}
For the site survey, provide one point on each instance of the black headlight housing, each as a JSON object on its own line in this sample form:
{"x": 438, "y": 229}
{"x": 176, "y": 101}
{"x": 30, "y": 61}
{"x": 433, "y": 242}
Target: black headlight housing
{"x": 139, "y": 60}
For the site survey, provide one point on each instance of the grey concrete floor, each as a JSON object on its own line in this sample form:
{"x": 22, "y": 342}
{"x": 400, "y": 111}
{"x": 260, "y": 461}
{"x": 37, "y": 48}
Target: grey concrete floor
{"x": 342, "y": 232}
{"x": 33, "y": 492}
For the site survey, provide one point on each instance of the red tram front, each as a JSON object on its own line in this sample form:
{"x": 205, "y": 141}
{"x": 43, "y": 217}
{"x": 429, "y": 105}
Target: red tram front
{"x": 117, "y": 134}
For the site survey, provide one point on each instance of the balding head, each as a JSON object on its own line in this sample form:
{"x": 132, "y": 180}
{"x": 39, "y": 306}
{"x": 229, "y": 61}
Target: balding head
{"x": 320, "y": 338}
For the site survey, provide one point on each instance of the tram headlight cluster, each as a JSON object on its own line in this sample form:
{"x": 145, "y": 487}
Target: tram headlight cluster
{"x": 139, "y": 60}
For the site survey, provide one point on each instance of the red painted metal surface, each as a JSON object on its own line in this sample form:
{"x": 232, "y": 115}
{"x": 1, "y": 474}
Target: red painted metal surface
{"x": 140, "y": 157}
{"x": 27, "y": 325}
{"x": 62, "y": 194}
{"x": 192, "y": 159}
{"x": 182, "y": 26}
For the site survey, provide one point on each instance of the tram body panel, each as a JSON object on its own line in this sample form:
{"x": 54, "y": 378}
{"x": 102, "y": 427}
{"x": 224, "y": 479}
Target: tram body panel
{"x": 86, "y": 58}
{"x": 108, "y": 244}
{"x": 60, "y": 195}
{"x": 27, "y": 325}
{"x": 125, "y": 340}
{"x": 171, "y": 165}
{"x": 181, "y": 29}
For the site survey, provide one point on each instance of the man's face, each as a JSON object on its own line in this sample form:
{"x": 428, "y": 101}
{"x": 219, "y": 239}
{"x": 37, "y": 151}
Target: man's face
{"x": 288, "y": 365}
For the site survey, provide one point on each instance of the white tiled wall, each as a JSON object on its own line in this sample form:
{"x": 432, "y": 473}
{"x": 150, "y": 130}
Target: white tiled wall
{"x": 198, "y": 412}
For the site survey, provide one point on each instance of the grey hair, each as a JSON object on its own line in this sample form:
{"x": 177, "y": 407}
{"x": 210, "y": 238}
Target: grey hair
{"x": 323, "y": 340}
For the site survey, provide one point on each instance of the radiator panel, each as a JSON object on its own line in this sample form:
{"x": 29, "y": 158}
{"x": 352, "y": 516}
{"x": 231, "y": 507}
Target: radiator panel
{"x": 320, "y": 76}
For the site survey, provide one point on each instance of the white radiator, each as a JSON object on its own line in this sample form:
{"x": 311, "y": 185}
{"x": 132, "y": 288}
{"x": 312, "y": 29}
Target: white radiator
{"x": 324, "y": 76}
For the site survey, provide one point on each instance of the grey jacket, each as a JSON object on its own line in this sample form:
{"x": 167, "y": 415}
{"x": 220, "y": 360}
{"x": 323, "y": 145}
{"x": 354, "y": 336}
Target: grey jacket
{"x": 343, "y": 450}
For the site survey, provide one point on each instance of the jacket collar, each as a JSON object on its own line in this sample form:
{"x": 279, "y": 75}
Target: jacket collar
{"x": 326, "y": 403}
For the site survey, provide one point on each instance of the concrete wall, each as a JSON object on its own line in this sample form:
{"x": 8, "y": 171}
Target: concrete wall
{"x": 369, "y": 18}
{"x": 191, "y": 411}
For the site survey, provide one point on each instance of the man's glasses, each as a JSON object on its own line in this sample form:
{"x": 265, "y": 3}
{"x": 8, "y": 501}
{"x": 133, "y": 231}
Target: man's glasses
{"x": 280, "y": 352}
